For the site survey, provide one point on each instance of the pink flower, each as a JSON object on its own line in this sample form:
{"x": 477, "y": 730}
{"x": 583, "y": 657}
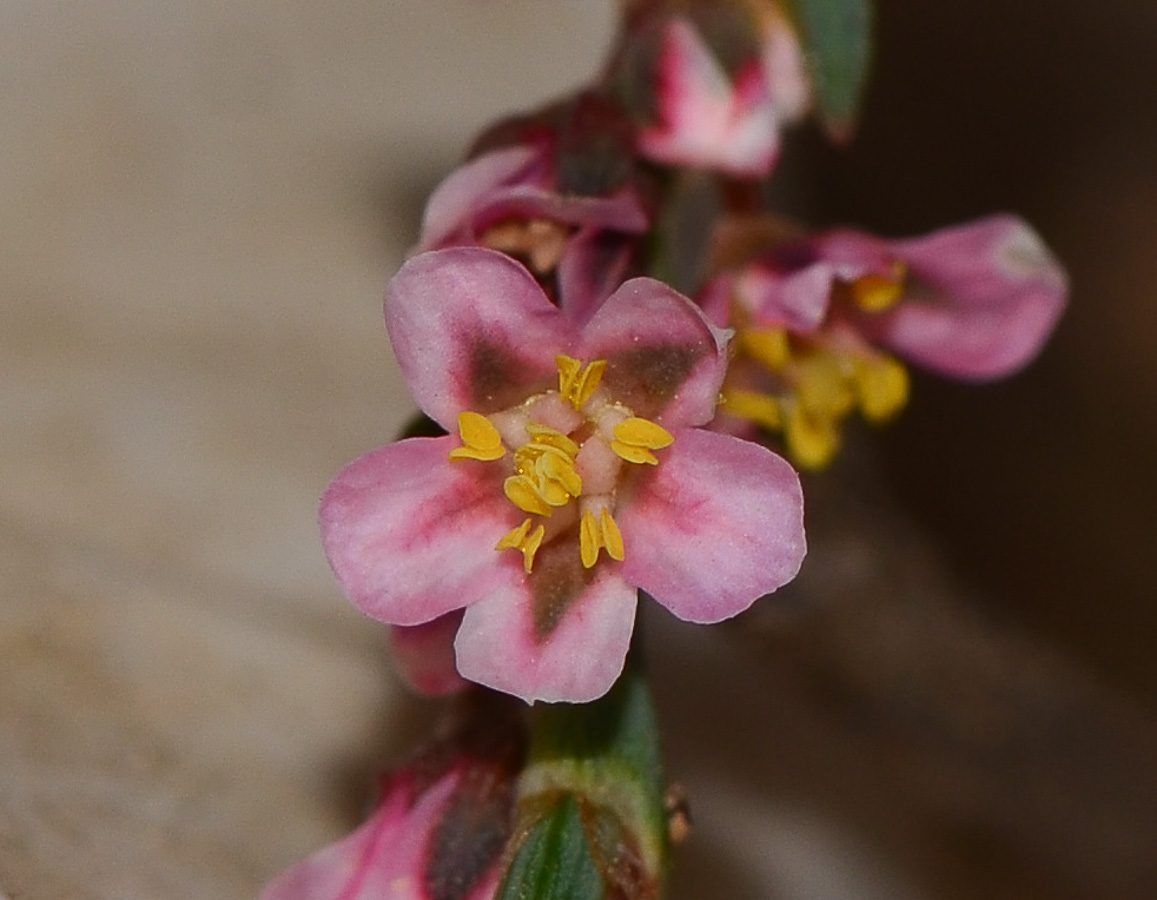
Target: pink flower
{"x": 512, "y": 200}
{"x": 438, "y": 829}
{"x": 819, "y": 319}
{"x": 706, "y": 118}
{"x": 575, "y": 475}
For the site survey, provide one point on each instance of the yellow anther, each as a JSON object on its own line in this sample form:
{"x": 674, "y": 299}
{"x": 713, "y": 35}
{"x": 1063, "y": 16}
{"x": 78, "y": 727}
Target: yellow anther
{"x": 762, "y": 409}
{"x": 612, "y": 537}
{"x": 635, "y": 438}
{"x": 514, "y": 538}
{"x": 568, "y": 371}
{"x": 768, "y": 346}
{"x": 812, "y": 440}
{"x": 523, "y": 493}
{"x": 522, "y": 538}
{"x": 633, "y": 454}
{"x": 882, "y": 387}
{"x": 480, "y": 438}
{"x": 577, "y": 383}
{"x": 560, "y": 469}
{"x": 599, "y": 534}
{"x": 640, "y": 432}
{"x": 823, "y": 385}
{"x": 879, "y": 293}
{"x": 545, "y": 435}
{"x": 589, "y": 539}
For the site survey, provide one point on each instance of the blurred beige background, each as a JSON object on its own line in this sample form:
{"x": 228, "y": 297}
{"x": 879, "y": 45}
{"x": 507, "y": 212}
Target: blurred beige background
{"x": 200, "y": 204}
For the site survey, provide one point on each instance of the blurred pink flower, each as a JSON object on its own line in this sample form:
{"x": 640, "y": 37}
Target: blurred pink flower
{"x": 438, "y": 829}
{"x": 707, "y": 118}
{"x": 512, "y": 200}
{"x": 576, "y": 447}
{"x": 819, "y": 318}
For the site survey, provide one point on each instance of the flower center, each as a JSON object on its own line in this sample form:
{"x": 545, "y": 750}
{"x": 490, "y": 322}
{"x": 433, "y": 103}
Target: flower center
{"x": 569, "y": 449}
{"x": 810, "y": 383}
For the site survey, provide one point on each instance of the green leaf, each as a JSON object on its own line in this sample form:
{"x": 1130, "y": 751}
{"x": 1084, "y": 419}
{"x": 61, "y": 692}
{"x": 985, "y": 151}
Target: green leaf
{"x": 591, "y": 799}
{"x": 554, "y": 862}
{"x": 837, "y": 39}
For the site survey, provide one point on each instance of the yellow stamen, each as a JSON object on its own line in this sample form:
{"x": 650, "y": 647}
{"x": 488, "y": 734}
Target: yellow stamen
{"x": 639, "y": 432}
{"x": 612, "y": 537}
{"x": 518, "y": 539}
{"x": 480, "y": 438}
{"x": 823, "y": 385}
{"x": 589, "y": 539}
{"x": 637, "y": 455}
{"x": 524, "y": 494}
{"x": 560, "y": 469}
{"x": 762, "y": 409}
{"x": 599, "y": 534}
{"x": 882, "y": 387}
{"x": 514, "y": 538}
{"x": 812, "y": 440}
{"x": 879, "y": 293}
{"x": 577, "y": 383}
{"x": 543, "y": 434}
{"x": 766, "y": 345}
{"x": 635, "y": 438}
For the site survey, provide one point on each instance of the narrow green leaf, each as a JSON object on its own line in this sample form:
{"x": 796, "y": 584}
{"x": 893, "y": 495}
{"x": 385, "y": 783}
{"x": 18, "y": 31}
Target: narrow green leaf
{"x": 837, "y": 38}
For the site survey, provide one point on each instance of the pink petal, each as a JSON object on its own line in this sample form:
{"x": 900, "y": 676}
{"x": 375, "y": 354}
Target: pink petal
{"x": 591, "y": 268}
{"x": 574, "y": 656}
{"x": 797, "y": 300}
{"x": 665, "y": 360}
{"x": 985, "y": 298}
{"x": 472, "y": 330}
{"x": 981, "y": 298}
{"x": 785, "y": 66}
{"x": 716, "y": 525}
{"x": 384, "y": 858}
{"x": 455, "y": 199}
{"x": 621, "y": 212}
{"x": 424, "y": 654}
{"x": 410, "y": 534}
{"x": 705, "y": 120}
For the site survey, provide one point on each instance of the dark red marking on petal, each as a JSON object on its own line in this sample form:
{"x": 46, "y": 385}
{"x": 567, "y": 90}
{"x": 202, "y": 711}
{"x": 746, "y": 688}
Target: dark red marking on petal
{"x": 557, "y": 581}
{"x": 647, "y": 379}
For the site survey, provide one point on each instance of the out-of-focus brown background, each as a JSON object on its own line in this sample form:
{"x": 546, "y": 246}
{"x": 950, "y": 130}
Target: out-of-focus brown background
{"x": 199, "y": 207}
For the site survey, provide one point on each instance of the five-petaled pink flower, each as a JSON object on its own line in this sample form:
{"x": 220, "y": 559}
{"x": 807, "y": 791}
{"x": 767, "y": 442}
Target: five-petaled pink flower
{"x": 819, "y": 318}
{"x": 574, "y": 476}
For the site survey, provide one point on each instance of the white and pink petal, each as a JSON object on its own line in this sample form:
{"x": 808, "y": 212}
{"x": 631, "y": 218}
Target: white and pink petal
{"x": 716, "y": 525}
{"x": 665, "y": 360}
{"x": 411, "y": 534}
{"x": 562, "y": 637}
{"x": 472, "y": 330}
